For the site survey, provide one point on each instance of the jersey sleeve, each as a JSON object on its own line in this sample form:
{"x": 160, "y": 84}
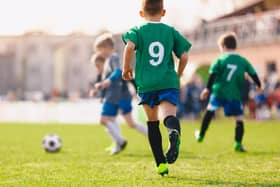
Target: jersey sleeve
{"x": 181, "y": 44}
{"x": 249, "y": 68}
{"x": 114, "y": 62}
{"x": 131, "y": 35}
{"x": 115, "y": 66}
{"x": 215, "y": 67}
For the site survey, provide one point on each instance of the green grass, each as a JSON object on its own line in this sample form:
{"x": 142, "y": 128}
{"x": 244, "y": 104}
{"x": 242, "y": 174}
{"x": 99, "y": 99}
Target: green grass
{"x": 83, "y": 161}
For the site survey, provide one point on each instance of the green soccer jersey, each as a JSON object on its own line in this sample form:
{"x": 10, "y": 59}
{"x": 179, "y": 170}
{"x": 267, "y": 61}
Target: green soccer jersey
{"x": 230, "y": 71}
{"x": 155, "y": 43}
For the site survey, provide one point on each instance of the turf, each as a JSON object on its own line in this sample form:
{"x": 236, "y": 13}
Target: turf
{"x": 83, "y": 161}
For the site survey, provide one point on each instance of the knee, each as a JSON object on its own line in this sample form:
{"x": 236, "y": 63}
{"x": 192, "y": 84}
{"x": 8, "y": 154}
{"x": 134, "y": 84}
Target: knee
{"x": 131, "y": 125}
{"x": 102, "y": 121}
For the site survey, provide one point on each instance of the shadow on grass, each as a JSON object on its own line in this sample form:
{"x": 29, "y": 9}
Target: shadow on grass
{"x": 135, "y": 155}
{"x": 220, "y": 183}
{"x": 263, "y": 153}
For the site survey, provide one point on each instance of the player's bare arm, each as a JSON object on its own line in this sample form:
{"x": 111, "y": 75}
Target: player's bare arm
{"x": 182, "y": 63}
{"x": 128, "y": 55}
{"x": 104, "y": 84}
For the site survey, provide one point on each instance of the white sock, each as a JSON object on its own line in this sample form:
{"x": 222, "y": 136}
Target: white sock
{"x": 117, "y": 127}
{"x": 141, "y": 128}
{"x": 114, "y": 133}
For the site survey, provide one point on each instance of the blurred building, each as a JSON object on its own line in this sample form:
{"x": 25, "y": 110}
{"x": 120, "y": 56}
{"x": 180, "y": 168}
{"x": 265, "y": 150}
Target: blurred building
{"x": 35, "y": 64}
{"x": 38, "y": 64}
{"x": 8, "y": 80}
{"x": 257, "y": 25}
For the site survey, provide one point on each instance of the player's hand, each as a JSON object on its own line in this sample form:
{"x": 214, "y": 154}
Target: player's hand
{"x": 127, "y": 75}
{"x": 106, "y": 83}
{"x": 259, "y": 90}
{"x": 92, "y": 92}
{"x": 98, "y": 85}
{"x": 204, "y": 94}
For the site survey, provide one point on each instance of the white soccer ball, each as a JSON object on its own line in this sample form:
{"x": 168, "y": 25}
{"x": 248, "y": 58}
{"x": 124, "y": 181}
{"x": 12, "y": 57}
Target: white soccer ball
{"x": 52, "y": 143}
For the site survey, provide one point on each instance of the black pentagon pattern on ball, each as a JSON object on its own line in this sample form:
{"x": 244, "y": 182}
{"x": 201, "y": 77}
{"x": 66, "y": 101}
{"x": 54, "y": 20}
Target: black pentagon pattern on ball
{"x": 52, "y": 143}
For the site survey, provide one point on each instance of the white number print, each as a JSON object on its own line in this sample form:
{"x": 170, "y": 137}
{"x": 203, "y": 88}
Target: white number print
{"x": 232, "y": 69}
{"x": 159, "y": 54}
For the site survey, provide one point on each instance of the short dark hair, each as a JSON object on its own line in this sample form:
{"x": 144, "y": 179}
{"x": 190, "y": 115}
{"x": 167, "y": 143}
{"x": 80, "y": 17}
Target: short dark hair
{"x": 228, "y": 40}
{"x": 152, "y": 7}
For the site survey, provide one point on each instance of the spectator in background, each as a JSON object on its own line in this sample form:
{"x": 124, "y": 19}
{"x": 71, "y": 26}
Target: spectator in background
{"x": 263, "y": 111}
{"x": 275, "y": 95}
{"x": 247, "y": 96}
{"x": 192, "y": 103}
{"x": 271, "y": 78}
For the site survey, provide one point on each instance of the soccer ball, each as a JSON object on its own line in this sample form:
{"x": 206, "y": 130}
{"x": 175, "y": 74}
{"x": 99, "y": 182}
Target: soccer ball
{"x": 52, "y": 143}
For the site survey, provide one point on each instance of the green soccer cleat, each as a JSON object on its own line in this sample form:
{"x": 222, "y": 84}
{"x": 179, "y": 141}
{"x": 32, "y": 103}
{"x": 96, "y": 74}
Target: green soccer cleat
{"x": 238, "y": 147}
{"x": 162, "y": 169}
{"x": 118, "y": 148}
{"x": 174, "y": 145}
{"x": 197, "y": 136}
{"x": 110, "y": 147}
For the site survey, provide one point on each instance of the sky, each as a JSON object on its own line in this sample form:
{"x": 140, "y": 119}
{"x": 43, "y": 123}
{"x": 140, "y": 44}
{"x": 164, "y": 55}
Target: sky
{"x": 89, "y": 16}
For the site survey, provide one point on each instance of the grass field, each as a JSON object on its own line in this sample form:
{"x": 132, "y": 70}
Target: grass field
{"x": 83, "y": 161}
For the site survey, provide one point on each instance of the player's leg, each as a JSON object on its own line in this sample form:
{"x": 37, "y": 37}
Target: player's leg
{"x": 174, "y": 130}
{"x": 235, "y": 108}
{"x": 213, "y": 105}
{"x": 169, "y": 99}
{"x": 239, "y": 132}
{"x": 206, "y": 120}
{"x": 155, "y": 138}
{"x": 108, "y": 119}
{"x": 134, "y": 124}
{"x": 126, "y": 107}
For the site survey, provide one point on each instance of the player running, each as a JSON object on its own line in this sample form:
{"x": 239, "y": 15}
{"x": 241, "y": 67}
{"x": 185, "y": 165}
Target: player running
{"x": 156, "y": 79}
{"x": 116, "y": 93}
{"x": 227, "y": 74}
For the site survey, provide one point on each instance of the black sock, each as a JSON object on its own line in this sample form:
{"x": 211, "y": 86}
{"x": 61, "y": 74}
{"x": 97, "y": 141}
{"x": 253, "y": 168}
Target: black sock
{"x": 205, "y": 122}
{"x": 239, "y": 131}
{"x": 171, "y": 122}
{"x": 155, "y": 141}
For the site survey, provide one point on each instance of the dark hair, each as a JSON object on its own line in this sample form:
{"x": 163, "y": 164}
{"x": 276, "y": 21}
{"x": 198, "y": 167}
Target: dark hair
{"x": 152, "y": 7}
{"x": 228, "y": 41}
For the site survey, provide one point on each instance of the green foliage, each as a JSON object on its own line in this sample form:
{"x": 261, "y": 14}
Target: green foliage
{"x": 83, "y": 161}
{"x": 203, "y": 73}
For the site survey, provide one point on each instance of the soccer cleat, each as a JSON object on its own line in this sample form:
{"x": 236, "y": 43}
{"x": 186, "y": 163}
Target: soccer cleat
{"x": 197, "y": 136}
{"x": 174, "y": 144}
{"x": 118, "y": 148}
{"x": 162, "y": 169}
{"x": 238, "y": 147}
{"x": 110, "y": 147}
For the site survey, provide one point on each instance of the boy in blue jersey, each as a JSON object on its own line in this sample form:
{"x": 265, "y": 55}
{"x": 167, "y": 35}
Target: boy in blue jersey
{"x": 117, "y": 96}
{"x": 227, "y": 75}
{"x": 156, "y": 79}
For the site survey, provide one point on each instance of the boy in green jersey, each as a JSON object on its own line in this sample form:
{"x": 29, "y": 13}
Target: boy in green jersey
{"x": 227, "y": 74}
{"x": 156, "y": 79}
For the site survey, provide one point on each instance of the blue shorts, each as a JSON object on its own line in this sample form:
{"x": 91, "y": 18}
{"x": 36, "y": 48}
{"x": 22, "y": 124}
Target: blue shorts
{"x": 156, "y": 97}
{"x": 231, "y": 107}
{"x": 110, "y": 109}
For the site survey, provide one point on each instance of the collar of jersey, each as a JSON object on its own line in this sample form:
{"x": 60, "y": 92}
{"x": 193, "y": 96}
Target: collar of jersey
{"x": 231, "y": 53}
{"x": 156, "y": 22}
